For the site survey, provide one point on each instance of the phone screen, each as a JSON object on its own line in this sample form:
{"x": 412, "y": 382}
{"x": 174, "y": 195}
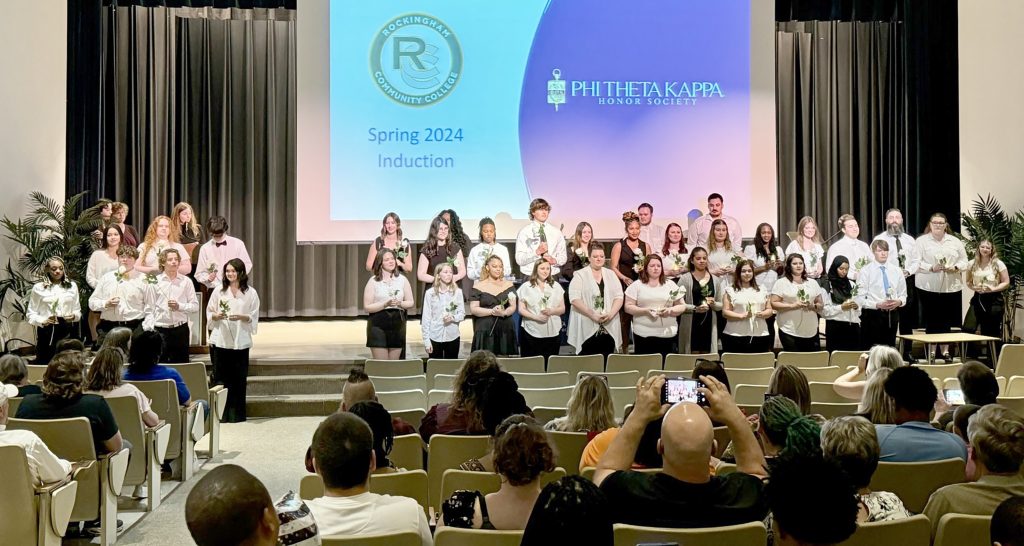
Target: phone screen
{"x": 954, "y": 396}
{"x": 680, "y": 389}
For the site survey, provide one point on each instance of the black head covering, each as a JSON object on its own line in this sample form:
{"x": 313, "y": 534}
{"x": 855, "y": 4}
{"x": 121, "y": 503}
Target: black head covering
{"x": 840, "y": 287}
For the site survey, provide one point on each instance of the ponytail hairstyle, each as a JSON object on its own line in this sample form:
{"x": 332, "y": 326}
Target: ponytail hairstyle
{"x": 784, "y": 426}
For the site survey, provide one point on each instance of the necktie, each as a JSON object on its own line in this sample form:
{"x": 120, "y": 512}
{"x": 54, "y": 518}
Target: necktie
{"x": 222, "y": 243}
{"x": 885, "y": 281}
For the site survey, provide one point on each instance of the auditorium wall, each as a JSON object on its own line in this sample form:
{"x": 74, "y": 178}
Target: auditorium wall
{"x": 33, "y": 66}
{"x": 992, "y": 104}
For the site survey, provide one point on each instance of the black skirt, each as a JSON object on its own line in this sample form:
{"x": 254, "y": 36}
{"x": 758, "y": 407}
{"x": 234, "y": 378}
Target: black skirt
{"x": 386, "y": 329}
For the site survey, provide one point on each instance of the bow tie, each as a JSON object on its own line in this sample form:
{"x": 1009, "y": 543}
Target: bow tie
{"x": 222, "y": 243}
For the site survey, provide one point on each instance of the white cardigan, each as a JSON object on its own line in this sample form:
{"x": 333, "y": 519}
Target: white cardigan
{"x": 584, "y": 288}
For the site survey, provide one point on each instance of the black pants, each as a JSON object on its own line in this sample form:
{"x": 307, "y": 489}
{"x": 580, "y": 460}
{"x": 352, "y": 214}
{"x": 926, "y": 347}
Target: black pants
{"x": 909, "y": 312}
{"x": 47, "y": 338}
{"x": 879, "y": 327}
{"x": 445, "y": 349}
{"x": 653, "y": 345}
{"x": 842, "y": 336}
{"x": 105, "y": 326}
{"x": 941, "y": 311}
{"x": 746, "y": 344}
{"x": 799, "y": 344}
{"x": 601, "y": 343}
{"x": 174, "y": 347}
{"x": 538, "y": 346}
{"x": 231, "y": 368}
{"x": 701, "y": 328}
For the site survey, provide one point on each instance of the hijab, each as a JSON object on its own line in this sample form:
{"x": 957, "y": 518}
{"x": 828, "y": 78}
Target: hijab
{"x": 840, "y": 287}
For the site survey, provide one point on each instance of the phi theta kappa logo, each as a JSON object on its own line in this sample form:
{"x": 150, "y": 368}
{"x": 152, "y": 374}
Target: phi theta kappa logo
{"x": 416, "y": 60}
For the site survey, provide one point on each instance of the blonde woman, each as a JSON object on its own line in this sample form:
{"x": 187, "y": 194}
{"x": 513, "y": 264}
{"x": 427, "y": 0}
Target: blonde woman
{"x": 492, "y": 302}
{"x": 722, "y": 252}
{"x": 190, "y": 231}
{"x": 443, "y": 310}
{"x": 578, "y": 249}
{"x": 160, "y": 237}
{"x": 590, "y": 408}
{"x": 808, "y": 245}
{"x": 541, "y": 305}
{"x": 852, "y": 384}
{"x": 877, "y": 406}
{"x": 988, "y": 277}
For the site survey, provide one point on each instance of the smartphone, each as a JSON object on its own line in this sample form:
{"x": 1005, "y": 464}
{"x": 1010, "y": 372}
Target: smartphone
{"x": 681, "y": 389}
{"x": 955, "y": 397}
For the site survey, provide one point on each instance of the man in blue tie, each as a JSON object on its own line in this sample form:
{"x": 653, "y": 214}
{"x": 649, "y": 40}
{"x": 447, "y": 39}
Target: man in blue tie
{"x": 881, "y": 291}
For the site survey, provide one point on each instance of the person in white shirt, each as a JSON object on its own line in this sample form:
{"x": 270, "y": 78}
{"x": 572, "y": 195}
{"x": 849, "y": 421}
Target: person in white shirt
{"x": 173, "y": 299}
{"x": 101, "y": 262}
{"x": 989, "y": 278}
{"x": 654, "y": 302}
{"x": 122, "y": 296}
{"x": 881, "y": 291}
{"x": 541, "y": 305}
{"x": 233, "y": 314}
{"x": 53, "y": 308}
{"x": 219, "y": 250}
{"x": 44, "y": 466}
{"x": 841, "y": 311}
{"x": 488, "y": 245}
{"x": 850, "y": 246}
{"x": 746, "y": 308}
{"x": 160, "y": 237}
{"x": 343, "y": 456}
{"x": 595, "y": 294}
{"x": 723, "y": 251}
{"x": 808, "y": 245}
{"x": 700, "y": 229}
{"x": 938, "y": 280}
{"x": 798, "y": 302}
{"x": 387, "y": 298}
{"x": 649, "y": 231}
{"x": 540, "y": 240}
{"x": 903, "y": 256}
{"x": 769, "y": 260}
{"x": 674, "y": 251}
{"x": 443, "y": 309}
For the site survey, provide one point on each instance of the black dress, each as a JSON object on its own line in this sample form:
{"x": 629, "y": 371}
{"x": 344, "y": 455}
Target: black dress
{"x": 495, "y": 334}
{"x": 702, "y": 324}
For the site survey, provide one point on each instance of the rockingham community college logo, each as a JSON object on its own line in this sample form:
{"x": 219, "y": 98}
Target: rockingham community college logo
{"x": 415, "y": 59}
{"x": 631, "y": 92}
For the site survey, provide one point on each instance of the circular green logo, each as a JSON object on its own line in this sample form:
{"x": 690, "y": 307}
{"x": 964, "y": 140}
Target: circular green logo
{"x": 416, "y": 60}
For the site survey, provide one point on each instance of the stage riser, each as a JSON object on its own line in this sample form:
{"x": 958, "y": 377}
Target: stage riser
{"x": 335, "y": 368}
{"x": 295, "y": 384}
{"x": 291, "y": 405}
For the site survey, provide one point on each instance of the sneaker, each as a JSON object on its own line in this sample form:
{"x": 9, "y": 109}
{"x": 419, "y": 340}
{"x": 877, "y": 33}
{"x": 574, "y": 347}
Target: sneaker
{"x": 141, "y": 491}
{"x": 92, "y": 528}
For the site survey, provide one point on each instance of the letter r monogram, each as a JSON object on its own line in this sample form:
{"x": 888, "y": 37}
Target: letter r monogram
{"x": 414, "y": 54}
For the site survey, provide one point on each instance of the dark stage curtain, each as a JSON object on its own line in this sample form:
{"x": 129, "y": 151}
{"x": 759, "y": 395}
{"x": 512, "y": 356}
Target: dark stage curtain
{"x": 867, "y": 111}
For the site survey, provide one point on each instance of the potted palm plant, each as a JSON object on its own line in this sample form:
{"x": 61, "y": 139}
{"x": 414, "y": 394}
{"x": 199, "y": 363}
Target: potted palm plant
{"x": 987, "y": 220}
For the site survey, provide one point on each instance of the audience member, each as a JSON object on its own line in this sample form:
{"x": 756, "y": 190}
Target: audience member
{"x": 343, "y": 457}
{"x": 812, "y": 502}
{"x": 851, "y": 384}
{"x": 714, "y": 368}
{"x": 570, "y": 510}
{"x": 1007, "y": 527}
{"x": 43, "y": 465}
{"x": 14, "y": 371}
{"x": 790, "y": 382}
{"x": 784, "y": 431}
{"x": 462, "y": 414}
{"x": 979, "y": 385}
{"x": 913, "y": 438}
{"x": 119, "y": 338}
{"x": 646, "y": 456}
{"x": 229, "y": 506}
{"x": 383, "y": 431}
{"x": 997, "y": 441}
{"x": 70, "y": 344}
{"x": 684, "y": 494}
{"x": 359, "y": 388}
{"x": 590, "y": 408}
{"x": 503, "y": 401}
{"x": 62, "y": 397}
{"x": 961, "y": 417}
{"x": 851, "y": 442}
{"x": 104, "y": 379}
{"x": 521, "y": 454}
{"x": 877, "y": 406}
{"x": 143, "y": 364}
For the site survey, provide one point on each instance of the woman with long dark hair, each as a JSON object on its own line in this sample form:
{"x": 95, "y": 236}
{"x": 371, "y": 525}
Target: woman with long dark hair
{"x": 797, "y": 302}
{"x": 391, "y": 237}
{"x": 629, "y": 257}
{"x": 769, "y": 261}
{"x": 53, "y": 308}
{"x": 674, "y": 251}
{"x": 387, "y": 298}
{"x": 698, "y": 326}
{"x": 233, "y": 314}
{"x": 437, "y": 249}
{"x": 746, "y": 306}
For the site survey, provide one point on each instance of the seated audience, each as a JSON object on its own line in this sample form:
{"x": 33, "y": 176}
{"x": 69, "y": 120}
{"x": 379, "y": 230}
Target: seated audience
{"x": 590, "y": 408}
{"x": 383, "y": 433}
{"x": 570, "y": 510}
{"x": 14, "y": 371}
{"x": 104, "y": 379}
{"x": 877, "y": 406}
{"x": 343, "y": 457}
{"x": 812, "y": 502}
{"x": 462, "y": 414}
{"x": 119, "y": 338}
{"x": 851, "y": 442}
{"x": 684, "y": 494}
{"x": 997, "y": 442}
{"x": 62, "y": 397}
{"x": 44, "y": 466}
{"x": 979, "y": 385}
{"x": 503, "y": 401}
{"x": 1007, "y": 527}
{"x": 521, "y": 454}
{"x": 70, "y": 344}
{"x": 784, "y": 431}
{"x": 359, "y": 388}
{"x": 143, "y": 364}
{"x": 961, "y": 416}
{"x": 228, "y": 507}
{"x": 913, "y": 438}
{"x": 851, "y": 384}
{"x": 790, "y": 382}
{"x": 714, "y": 368}
{"x": 646, "y": 456}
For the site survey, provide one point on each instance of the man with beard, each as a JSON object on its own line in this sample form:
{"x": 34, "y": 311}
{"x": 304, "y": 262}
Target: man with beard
{"x": 902, "y": 254}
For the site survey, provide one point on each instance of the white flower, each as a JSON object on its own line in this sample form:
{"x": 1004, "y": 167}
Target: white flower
{"x": 581, "y": 253}
{"x": 122, "y": 269}
{"x": 638, "y": 251}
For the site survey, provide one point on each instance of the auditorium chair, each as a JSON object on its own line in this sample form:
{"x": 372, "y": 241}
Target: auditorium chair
{"x": 745, "y": 534}
{"x": 392, "y": 368}
{"x": 963, "y": 530}
{"x": 575, "y": 364}
{"x": 542, "y": 380}
{"x": 824, "y": 392}
{"x": 438, "y": 396}
{"x": 617, "y": 379}
{"x": 622, "y": 397}
{"x": 940, "y": 371}
{"x": 569, "y": 448}
{"x": 831, "y": 410}
{"x": 35, "y": 373}
{"x": 449, "y": 366}
{"x": 407, "y": 452}
{"x": 1016, "y": 403}
{"x": 915, "y": 482}
{"x": 442, "y": 381}
{"x": 528, "y": 364}
{"x": 1014, "y": 387}
{"x": 913, "y": 531}
{"x": 550, "y": 398}
{"x": 408, "y": 538}
{"x": 403, "y": 383}
{"x": 545, "y": 414}
{"x": 827, "y": 374}
{"x": 412, "y": 416}
{"x": 749, "y": 395}
{"x": 815, "y": 359}
{"x": 149, "y": 446}
{"x": 30, "y": 514}
{"x": 454, "y": 480}
{"x": 12, "y": 406}
{"x": 625, "y": 363}
{"x": 451, "y": 536}
{"x": 411, "y": 483}
{"x": 844, "y": 359}
{"x": 684, "y": 363}
{"x": 745, "y": 360}
{"x": 448, "y": 451}
{"x": 1011, "y": 360}
{"x": 750, "y": 376}
{"x": 401, "y": 400}
{"x": 194, "y": 374}
{"x": 186, "y": 422}
{"x": 99, "y": 484}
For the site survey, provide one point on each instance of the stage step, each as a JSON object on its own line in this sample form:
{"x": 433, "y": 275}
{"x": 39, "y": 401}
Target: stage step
{"x": 292, "y": 405}
{"x": 282, "y": 367}
{"x": 281, "y": 385}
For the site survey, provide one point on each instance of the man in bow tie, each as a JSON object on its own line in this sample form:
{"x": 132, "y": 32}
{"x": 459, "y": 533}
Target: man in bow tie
{"x": 217, "y": 251}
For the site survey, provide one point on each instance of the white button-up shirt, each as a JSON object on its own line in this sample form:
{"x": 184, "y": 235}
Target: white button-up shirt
{"x": 654, "y": 235}
{"x": 534, "y": 296}
{"x": 871, "y": 287}
{"x": 911, "y": 257}
{"x": 482, "y": 252}
{"x": 435, "y": 306}
{"x": 813, "y": 259}
{"x": 855, "y": 250}
{"x": 149, "y": 260}
{"x": 233, "y": 334}
{"x": 134, "y": 294}
{"x": 214, "y": 257}
{"x": 181, "y": 290}
{"x": 47, "y": 300}
{"x": 952, "y": 250}
{"x": 529, "y": 239}
{"x": 700, "y": 230}
{"x": 100, "y": 263}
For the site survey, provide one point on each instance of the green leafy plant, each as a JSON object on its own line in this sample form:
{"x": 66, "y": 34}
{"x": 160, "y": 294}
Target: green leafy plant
{"x": 987, "y": 220}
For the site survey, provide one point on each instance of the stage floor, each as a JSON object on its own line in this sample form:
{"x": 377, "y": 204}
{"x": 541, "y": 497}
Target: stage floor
{"x": 332, "y": 340}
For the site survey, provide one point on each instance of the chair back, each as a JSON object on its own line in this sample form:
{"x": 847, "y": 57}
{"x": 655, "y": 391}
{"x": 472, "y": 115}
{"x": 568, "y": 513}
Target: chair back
{"x": 824, "y": 392}
{"x": 542, "y": 380}
{"x": 722, "y": 437}
{"x": 1010, "y": 362}
{"x": 844, "y": 359}
{"x": 405, "y": 383}
{"x": 194, "y": 375}
{"x": 622, "y": 397}
{"x": 913, "y": 531}
{"x": 35, "y": 373}
{"x": 12, "y": 405}
{"x": 446, "y": 452}
{"x": 392, "y": 368}
{"x": 527, "y": 364}
{"x": 588, "y": 471}
{"x": 827, "y": 374}
{"x": 748, "y": 360}
{"x": 452, "y": 536}
{"x": 683, "y": 362}
{"x": 543, "y": 414}
{"x": 407, "y": 538}
{"x": 17, "y": 504}
{"x": 751, "y": 376}
{"x": 915, "y": 482}
{"x": 485, "y": 482}
{"x": 1016, "y": 403}
{"x": 569, "y": 448}
{"x": 412, "y": 484}
{"x": 963, "y": 530}
{"x": 402, "y": 400}
{"x": 407, "y": 452}
{"x": 744, "y": 534}
{"x": 624, "y": 363}
{"x": 941, "y": 372}
{"x": 164, "y": 402}
{"x": 550, "y": 398}
{"x": 447, "y": 366}
{"x": 576, "y": 364}
{"x": 442, "y": 381}
{"x": 830, "y": 410}
{"x": 438, "y": 396}
{"x": 749, "y": 394}
{"x": 412, "y": 416}
{"x": 617, "y": 379}
{"x": 129, "y": 422}
{"x": 814, "y": 359}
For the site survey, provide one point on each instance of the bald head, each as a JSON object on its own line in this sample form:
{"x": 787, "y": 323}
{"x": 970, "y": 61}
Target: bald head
{"x": 687, "y": 437}
{"x": 358, "y": 388}
{"x": 230, "y": 506}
